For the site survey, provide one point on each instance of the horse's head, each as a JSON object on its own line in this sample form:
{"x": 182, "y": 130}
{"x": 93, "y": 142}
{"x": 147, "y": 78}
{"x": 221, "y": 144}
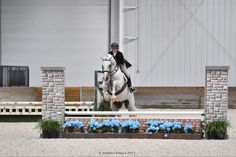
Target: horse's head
{"x": 108, "y": 64}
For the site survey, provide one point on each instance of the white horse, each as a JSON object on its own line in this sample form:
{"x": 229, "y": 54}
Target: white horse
{"x": 114, "y": 85}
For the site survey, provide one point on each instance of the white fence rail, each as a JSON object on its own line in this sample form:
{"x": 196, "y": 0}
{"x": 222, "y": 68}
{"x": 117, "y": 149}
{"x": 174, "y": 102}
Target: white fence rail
{"x": 35, "y": 108}
{"x": 40, "y": 103}
{"x": 75, "y": 109}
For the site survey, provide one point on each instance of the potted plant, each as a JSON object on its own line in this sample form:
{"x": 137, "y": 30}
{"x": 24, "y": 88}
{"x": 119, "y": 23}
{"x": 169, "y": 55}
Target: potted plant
{"x": 153, "y": 127}
{"x": 216, "y": 129}
{"x": 71, "y": 126}
{"x": 94, "y": 127}
{"x": 166, "y": 127}
{"x": 130, "y": 126}
{"x": 50, "y": 128}
{"x": 177, "y": 127}
{"x": 115, "y": 125}
{"x": 188, "y": 129}
{"x": 111, "y": 125}
{"x": 105, "y": 126}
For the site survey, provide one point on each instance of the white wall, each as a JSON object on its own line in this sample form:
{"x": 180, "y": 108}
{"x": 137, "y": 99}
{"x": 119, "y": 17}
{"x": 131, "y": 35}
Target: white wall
{"x": 178, "y": 38}
{"x": 68, "y": 33}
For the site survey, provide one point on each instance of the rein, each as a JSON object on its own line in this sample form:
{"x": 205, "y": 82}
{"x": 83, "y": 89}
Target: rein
{"x": 111, "y": 73}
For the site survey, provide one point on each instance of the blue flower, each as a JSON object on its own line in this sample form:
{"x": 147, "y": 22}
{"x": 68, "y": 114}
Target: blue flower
{"x": 131, "y": 124}
{"x": 94, "y": 124}
{"x": 187, "y": 128}
{"x": 106, "y": 123}
{"x": 112, "y": 123}
{"x": 177, "y": 126}
{"x": 153, "y": 123}
{"x": 162, "y": 126}
{"x": 76, "y": 123}
{"x": 67, "y": 124}
{"x": 152, "y": 129}
{"x": 115, "y": 123}
{"x": 166, "y": 126}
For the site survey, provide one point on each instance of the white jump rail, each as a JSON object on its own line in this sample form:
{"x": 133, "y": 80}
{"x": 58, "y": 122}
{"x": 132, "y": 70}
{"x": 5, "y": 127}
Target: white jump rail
{"x": 35, "y": 108}
{"x": 148, "y": 114}
{"x": 40, "y": 103}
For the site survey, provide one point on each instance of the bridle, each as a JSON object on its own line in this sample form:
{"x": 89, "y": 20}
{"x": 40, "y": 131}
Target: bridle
{"x": 111, "y": 73}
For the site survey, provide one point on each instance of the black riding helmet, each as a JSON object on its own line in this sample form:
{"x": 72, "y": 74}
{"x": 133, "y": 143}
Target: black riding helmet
{"x": 114, "y": 45}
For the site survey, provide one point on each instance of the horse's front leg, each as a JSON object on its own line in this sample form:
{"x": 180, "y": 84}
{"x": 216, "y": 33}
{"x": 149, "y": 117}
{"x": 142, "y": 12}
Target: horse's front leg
{"x": 113, "y": 96}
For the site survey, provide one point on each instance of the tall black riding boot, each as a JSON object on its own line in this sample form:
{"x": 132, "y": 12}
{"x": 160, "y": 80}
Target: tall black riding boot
{"x": 132, "y": 89}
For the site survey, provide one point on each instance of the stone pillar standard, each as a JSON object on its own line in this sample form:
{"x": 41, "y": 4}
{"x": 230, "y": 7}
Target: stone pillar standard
{"x": 216, "y": 93}
{"x": 53, "y": 93}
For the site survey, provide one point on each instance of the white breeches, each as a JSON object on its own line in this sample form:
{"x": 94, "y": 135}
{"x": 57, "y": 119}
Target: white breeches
{"x": 124, "y": 70}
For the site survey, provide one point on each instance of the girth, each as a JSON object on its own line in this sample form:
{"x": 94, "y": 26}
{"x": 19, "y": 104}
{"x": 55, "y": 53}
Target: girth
{"x": 119, "y": 91}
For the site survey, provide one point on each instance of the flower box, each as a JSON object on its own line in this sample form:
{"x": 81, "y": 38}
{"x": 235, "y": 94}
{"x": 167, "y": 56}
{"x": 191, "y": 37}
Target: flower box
{"x": 135, "y": 135}
{"x": 132, "y": 129}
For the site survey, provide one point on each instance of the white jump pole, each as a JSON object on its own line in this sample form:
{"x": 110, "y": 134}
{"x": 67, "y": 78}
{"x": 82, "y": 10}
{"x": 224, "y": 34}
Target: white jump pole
{"x": 135, "y": 113}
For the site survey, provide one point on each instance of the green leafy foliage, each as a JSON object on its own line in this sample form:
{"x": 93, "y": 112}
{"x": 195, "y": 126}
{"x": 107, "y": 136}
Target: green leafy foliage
{"x": 104, "y": 106}
{"x": 50, "y": 128}
{"x": 215, "y": 128}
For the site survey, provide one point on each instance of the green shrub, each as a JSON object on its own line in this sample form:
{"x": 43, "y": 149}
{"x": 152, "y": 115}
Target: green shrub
{"x": 104, "y": 106}
{"x": 50, "y": 128}
{"x": 216, "y": 129}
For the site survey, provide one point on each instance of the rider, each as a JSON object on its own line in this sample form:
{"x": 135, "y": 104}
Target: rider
{"x": 122, "y": 63}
